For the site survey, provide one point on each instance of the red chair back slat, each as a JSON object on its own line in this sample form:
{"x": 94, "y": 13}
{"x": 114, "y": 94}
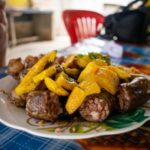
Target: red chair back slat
{"x": 82, "y": 24}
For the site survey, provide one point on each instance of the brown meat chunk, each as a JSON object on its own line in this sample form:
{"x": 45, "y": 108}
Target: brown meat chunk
{"x": 30, "y": 61}
{"x": 97, "y": 107}
{"x": 19, "y": 101}
{"x": 15, "y": 66}
{"x": 59, "y": 68}
{"x": 43, "y": 105}
{"x": 41, "y": 86}
{"x": 22, "y": 73}
{"x": 59, "y": 60}
{"x": 134, "y": 94}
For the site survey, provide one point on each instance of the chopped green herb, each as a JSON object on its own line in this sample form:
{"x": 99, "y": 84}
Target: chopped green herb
{"x": 80, "y": 55}
{"x": 93, "y": 55}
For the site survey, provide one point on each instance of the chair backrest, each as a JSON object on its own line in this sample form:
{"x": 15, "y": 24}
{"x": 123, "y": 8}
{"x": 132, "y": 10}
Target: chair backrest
{"x": 82, "y": 24}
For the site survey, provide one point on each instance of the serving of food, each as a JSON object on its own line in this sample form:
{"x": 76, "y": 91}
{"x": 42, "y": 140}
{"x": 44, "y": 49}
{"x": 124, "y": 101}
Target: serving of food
{"x": 84, "y": 88}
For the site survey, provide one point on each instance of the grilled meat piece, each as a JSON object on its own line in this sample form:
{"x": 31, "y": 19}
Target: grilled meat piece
{"x": 134, "y": 94}
{"x": 15, "y": 66}
{"x": 22, "y": 73}
{"x": 59, "y": 68}
{"x": 30, "y": 61}
{"x": 19, "y": 101}
{"x": 43, "y": 105}
{"x": 97, "y": 107}
{"x": 59, "y": 60}
{"x": 41, "y": 86}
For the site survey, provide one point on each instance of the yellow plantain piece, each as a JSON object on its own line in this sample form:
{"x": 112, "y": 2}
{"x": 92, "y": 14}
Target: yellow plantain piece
{"x": 69, "y": 60}
{"x": 122, "y": 74}
{"x": 130, "y": 70}
{"x": 107, "y": 79}
{"x": 28, "y": 79}
{"x": 52, "y": 56}
{"x": 89, "y": 70}
{"x": 100, "y": 62}
{"x": 73, "y": 72}
{"x": 65, "y": 81}
{"x": 28, "y": 88}
{"x": 54, "y": 87}
{"x": 75, "y": 100}
{"x": 45, "y": 73}
{"x": 90, "y": 86}
{"x": 82, "y": 60}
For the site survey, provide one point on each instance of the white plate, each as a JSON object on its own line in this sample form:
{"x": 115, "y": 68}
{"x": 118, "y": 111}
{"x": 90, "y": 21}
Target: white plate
{"x": 15, "y": 117}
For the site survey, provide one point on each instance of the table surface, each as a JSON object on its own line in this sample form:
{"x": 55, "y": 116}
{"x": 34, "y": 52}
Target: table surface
{"x": 137, "y": 139}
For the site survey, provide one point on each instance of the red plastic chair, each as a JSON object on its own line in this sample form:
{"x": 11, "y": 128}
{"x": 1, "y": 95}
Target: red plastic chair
{"x": 82, "y": 24}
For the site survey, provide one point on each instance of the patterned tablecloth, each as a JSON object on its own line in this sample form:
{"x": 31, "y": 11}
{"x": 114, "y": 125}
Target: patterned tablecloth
{"x": 11, "y": 139}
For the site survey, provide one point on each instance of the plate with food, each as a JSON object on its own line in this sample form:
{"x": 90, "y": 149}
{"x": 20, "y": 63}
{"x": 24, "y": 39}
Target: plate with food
{"x": 76, "y": 96}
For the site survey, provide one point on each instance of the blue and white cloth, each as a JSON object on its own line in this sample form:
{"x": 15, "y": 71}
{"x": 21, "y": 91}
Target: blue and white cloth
{"x": 11, "y": 139}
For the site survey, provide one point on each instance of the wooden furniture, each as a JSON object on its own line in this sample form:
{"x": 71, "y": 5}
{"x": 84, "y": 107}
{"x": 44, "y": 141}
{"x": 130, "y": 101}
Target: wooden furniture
{"x": 82, "y": 24}
{"x": 36, "y": 26}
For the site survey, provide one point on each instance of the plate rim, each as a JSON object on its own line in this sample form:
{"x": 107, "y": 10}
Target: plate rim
{"x": 78, "y": 135}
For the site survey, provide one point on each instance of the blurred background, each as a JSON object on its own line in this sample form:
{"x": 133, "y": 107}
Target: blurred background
{"x": 42, "y": 20}
{"x": 38, "y": 24}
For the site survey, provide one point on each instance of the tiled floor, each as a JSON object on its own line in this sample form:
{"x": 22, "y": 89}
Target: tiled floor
{"x": 37, "y": 48}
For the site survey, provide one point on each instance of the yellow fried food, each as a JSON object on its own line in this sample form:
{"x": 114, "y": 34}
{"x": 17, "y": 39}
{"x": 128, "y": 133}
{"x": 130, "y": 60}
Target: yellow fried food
{"x": 52, "y": 56}
{"x": 69, "y": 60}
{"x": 54, "y": 87}
{"x": 132, "y": 70}
{"x": 122, "y": 74}
{"x": 45, "y": 73}
{"x": 75, "y": 100}
{"x": 28, "y": 79}
{"x": 90, "y": 86}
{"x": 28, "y": 88}
{"x": 82, "y": 60}
{"x": 65, "y": 81}
{"x": 100, "y": 62}
{"x": 89, "y": 70}
{"x": 73, "y": 72}
{"x": 107, "y": 79}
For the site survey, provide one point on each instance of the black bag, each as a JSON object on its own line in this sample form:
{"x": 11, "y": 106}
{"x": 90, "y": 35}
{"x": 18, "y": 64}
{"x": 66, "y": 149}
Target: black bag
{"x": 129, "y": 25}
